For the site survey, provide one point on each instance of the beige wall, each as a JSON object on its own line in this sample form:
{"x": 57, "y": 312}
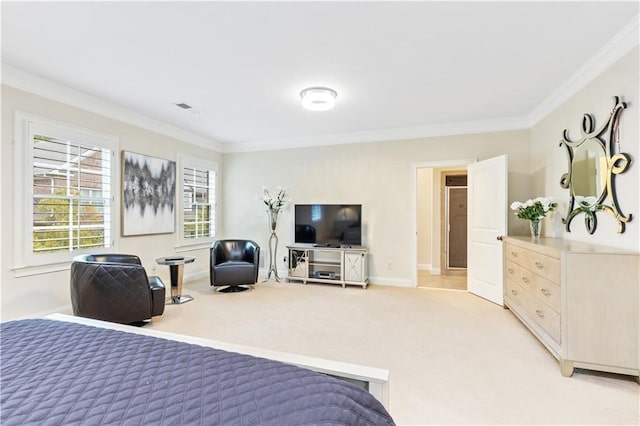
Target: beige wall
{"x": 424, "y": 218}
{"x": 43, "y": 293}
{"x": 376, "y": 175}
{"x": 549, "y": 161}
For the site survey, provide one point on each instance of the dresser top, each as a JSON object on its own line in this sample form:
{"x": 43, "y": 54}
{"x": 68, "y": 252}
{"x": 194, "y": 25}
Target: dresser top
{"x": 555, "y": 245}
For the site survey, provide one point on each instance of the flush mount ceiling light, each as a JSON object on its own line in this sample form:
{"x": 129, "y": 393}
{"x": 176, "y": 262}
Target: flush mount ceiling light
{"x": 318, "y": 98}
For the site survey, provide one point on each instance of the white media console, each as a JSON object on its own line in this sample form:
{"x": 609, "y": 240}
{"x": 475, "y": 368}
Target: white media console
{"x": 330, "y": 265}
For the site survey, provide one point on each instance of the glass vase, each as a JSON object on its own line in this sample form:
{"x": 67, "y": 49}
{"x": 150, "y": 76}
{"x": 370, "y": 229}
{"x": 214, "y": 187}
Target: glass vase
{"x": 535, "y": 226}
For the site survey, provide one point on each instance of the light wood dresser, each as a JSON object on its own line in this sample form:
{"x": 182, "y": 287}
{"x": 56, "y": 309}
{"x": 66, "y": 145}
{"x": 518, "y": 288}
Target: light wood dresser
{"x": 580, "y": 300}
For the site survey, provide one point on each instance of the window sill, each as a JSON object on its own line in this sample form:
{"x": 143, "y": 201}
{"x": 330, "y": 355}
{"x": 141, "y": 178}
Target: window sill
{"x": 27, "y": 271}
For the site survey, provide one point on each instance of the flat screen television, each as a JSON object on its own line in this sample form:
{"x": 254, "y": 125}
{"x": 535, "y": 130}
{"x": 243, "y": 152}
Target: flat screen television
{"x": 331, "y": 225}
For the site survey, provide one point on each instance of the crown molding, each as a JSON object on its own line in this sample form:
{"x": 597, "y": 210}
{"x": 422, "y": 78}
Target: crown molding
{"x": 384, "y": 135}
{"x": 622, "y": 43}
{"x": 40, "y": 86}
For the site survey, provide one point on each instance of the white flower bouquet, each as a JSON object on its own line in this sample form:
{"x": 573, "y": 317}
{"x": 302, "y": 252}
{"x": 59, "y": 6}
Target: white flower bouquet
{"x": 535, "y": 209}
{"x": 275, "y": 202}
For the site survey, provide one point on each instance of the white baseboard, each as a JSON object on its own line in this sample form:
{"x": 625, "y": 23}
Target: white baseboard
{"x": 424, "y": 266}
{"x": 436, "y": 271}
{"x": 64, "y": 309}
{"x": 194, "y": 276}
{"x": 393, "y": 282}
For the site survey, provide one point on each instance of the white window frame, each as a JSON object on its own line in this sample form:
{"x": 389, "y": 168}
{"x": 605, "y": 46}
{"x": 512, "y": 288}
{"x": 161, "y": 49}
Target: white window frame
{"x": 185, "y": 162}
{"x": 26, "y": 126}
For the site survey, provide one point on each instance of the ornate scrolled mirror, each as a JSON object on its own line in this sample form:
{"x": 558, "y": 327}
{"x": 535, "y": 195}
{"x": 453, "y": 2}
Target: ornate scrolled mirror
{"x": 594, "y": 160}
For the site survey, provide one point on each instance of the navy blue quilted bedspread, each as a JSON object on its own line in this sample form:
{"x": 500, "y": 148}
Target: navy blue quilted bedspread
{"x": 57, "y": 373}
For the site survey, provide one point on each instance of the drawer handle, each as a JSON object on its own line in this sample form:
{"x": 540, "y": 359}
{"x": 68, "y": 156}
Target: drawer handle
{"x": 545, "y": 292}
{"x": 525, "y": 279}
{"x": 539, "y": 313}
{"x": 514, "y": 254}
{"x": 539, "y": 265}
{"x": 514, "y": 292}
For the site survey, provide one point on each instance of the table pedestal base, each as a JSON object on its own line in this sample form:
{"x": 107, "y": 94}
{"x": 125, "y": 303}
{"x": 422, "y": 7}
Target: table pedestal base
{"x": 177, "y": 300}
{"x": 176, "y": 269}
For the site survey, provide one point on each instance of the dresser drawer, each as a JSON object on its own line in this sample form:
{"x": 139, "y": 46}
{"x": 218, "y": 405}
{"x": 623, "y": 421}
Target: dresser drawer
{"x": 546, "y": 318}
{"x": 545, "y": 266}
{"x": 516, "y": 294}
{"x": 516, "y": 254}
{"x": 537, "y": 311}
{"x": 521, "y": 276}
{"x": 548, "y": 292}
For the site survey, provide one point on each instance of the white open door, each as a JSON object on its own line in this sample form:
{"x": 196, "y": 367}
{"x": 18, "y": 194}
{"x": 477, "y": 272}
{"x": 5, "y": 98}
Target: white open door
{"x": 487, "y": 220}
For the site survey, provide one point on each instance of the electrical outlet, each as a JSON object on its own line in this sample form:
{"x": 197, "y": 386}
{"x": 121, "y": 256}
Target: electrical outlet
{"x": 389, "y": 265}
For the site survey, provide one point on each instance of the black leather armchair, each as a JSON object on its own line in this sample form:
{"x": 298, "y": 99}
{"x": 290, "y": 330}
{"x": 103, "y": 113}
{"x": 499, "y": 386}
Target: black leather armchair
{"x": 234, "y": 264}
{"x": 115, "y": 288}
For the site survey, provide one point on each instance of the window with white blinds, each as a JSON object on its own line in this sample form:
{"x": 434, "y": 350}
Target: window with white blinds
{"x": 66, "y": 178}
{"x": 71, "y": 195}
{"x": 199, "y": 200}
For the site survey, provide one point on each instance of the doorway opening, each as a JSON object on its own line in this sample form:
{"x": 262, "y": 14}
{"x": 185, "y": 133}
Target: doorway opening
{"x": 453, "y": 221}
{"x": 441, "y": 227}
{"x": 487, "y": 220}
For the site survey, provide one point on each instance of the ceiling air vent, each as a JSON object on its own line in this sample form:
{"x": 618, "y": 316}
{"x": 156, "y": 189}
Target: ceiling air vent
{"x": 189, "y": 108}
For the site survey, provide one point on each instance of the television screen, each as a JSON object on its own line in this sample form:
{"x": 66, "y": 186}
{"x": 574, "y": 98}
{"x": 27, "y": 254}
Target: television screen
{"x": 328, "y": 224}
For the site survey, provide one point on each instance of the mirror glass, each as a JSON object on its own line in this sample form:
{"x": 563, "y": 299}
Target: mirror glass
{"x": 588, "y": 172}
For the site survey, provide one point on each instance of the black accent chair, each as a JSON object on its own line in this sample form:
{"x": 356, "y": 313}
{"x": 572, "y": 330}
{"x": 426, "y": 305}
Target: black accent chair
{"x": 115, "y": 288}
{"x": 234, "y": 264}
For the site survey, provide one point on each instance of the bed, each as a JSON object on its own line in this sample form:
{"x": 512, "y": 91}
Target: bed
{"x": 67, "y": 370}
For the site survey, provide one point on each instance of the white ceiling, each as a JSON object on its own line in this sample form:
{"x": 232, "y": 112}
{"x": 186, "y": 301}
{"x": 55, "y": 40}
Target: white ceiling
{"x": 400, "y": 69}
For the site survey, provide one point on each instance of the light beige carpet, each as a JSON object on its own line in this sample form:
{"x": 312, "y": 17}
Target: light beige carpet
{"x": 453, "y": 358}
{"x": 449, "y": 282}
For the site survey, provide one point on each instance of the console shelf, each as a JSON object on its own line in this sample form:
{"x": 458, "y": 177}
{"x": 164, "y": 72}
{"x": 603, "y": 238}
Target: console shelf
{"x": 328, "y": 265}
